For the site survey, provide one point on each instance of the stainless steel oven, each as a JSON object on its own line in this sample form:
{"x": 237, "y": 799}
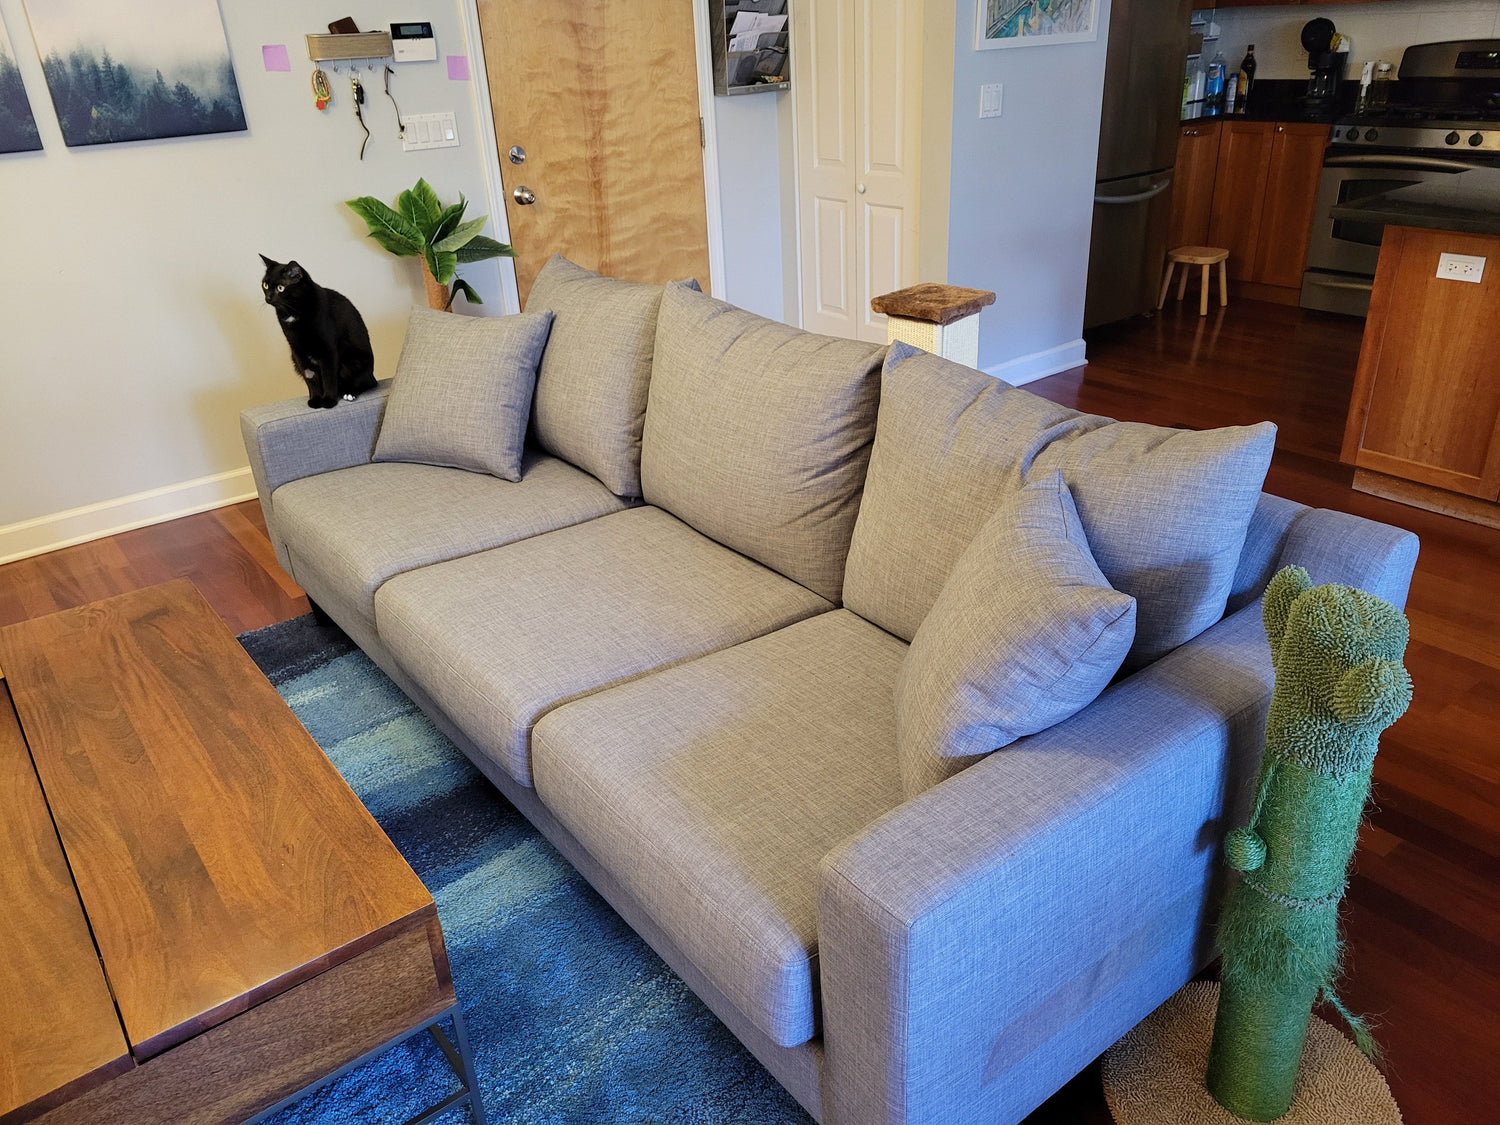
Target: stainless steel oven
{"x": 1341, "y": 255}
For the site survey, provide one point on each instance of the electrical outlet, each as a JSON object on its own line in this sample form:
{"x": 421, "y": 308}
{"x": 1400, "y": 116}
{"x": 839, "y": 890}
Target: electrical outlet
{"x": 990, "y": 98}
{"x": 428, "y": 130}
{"x": 1460, "y": 267}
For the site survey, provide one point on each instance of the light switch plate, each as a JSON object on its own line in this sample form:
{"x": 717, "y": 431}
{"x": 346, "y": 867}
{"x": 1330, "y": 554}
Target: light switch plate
{"x": 428, "y": 130}
{"x": 1461, "y": 267}
{"x": 990, "y": 96}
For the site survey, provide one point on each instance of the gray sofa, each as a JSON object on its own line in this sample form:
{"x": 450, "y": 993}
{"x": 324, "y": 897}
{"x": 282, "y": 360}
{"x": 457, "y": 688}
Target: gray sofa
{"x": 668, "y": 675}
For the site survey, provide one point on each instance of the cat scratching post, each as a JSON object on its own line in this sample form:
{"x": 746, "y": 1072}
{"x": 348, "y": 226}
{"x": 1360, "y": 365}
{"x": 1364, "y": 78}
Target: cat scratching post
{"x": 941, "y": 319}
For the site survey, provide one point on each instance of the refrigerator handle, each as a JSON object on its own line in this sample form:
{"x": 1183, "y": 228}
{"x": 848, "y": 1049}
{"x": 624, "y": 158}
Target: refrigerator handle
{"x": 1138, "y": 197}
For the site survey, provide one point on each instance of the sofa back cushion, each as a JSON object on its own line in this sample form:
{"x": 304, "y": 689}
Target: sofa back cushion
{"x": 1025, "y": 632}
{"x": 1165, "y": 511}
{"x": 759, "y": 435}
{"x": 590, "y": 399}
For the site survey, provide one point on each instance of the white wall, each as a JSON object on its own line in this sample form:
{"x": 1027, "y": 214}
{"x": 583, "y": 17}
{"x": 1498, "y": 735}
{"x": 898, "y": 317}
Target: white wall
{"x": 1021, "y": 194}
{"x": 750, "y": 193}
{"x": 132, "y": 329}
{"x": 1378, "y": 31}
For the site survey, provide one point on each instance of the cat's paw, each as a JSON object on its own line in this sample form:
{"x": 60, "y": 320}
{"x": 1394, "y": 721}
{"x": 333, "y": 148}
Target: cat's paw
{"x": 315, "y": 402}
{"x": 348, "y": 398}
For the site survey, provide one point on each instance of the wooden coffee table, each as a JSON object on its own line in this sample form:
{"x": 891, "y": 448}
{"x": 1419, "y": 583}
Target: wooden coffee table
{"x": 201, "y": 921}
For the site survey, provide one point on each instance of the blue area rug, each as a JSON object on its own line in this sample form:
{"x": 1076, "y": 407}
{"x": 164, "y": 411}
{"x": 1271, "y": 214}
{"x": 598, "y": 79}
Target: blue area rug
{"x": 571, "y": 1017}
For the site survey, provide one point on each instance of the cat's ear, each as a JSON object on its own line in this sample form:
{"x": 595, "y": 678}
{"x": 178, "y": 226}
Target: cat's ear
{"x": 294, "y": 272}
{"x": 269, "y": 264}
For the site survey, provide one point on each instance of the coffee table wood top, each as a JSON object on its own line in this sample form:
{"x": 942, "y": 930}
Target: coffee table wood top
{"x": 220, "y": 857}
{"x": 59, "y": 1034}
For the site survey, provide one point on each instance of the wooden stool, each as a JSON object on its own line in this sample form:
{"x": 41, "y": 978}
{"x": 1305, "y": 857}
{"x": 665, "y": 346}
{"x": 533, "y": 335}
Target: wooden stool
{"x": 1205, "y": 256}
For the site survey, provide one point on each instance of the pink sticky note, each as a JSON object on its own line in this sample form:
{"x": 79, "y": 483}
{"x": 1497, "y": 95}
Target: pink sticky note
{"x": 458, "y": 68}
{"x": 275, "y": 57}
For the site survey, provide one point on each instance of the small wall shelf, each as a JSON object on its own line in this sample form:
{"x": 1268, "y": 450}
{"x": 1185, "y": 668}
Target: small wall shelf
{"x": 765, "y": 69}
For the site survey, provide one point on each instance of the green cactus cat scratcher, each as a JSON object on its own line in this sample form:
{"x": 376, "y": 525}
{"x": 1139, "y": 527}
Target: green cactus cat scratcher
{"x": 1340, "y": 682}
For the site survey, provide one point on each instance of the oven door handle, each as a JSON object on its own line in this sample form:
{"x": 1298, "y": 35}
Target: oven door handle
{"x": 1398, "y": 160}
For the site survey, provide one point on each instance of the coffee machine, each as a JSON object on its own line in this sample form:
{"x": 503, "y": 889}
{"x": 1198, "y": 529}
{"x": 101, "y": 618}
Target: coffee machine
{"x": 1324, "y": 64}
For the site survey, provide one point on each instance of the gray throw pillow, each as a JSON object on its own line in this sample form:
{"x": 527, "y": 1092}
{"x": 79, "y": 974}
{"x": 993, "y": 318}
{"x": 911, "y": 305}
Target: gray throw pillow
{"x": 1165, "y": 510}
{"x": 591, "y": 389}
{"x": 1025, "y": 632}
{"x": 462, "y": 392}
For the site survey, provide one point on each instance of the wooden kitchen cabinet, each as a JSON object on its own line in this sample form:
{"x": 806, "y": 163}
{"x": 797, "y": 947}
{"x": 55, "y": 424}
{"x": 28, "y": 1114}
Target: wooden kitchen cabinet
{"x": 1193, "y": 184}
{"x": 1290, "y": 202}
{"x": 1426, "y": 400}
{"x": 1240, "y": 193}
{"x": 1252, "y": 188}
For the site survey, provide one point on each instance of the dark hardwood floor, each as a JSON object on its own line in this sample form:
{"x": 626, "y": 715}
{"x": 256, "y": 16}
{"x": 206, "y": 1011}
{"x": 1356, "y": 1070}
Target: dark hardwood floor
{"x": 1423, "y": 913}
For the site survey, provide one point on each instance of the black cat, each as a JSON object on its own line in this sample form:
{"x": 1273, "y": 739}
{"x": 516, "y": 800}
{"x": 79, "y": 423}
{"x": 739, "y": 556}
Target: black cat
{"x": 330, "y": 346}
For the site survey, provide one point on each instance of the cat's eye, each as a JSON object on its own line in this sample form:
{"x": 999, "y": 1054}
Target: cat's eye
{"x": 265, "y": 285}
{"x": 281, "y": 289}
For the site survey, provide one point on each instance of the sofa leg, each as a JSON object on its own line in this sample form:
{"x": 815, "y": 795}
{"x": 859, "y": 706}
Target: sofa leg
{"x": 319, "y": 616}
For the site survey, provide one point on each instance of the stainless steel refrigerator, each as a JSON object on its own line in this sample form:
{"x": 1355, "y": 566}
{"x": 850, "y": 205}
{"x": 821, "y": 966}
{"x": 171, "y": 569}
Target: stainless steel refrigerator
{"x": 1145, "y": 61}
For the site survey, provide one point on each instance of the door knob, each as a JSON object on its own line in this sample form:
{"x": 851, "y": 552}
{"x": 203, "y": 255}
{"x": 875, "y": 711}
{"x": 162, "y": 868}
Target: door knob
{"x": 524, "y": 196}
{"x": 860, "y": 189}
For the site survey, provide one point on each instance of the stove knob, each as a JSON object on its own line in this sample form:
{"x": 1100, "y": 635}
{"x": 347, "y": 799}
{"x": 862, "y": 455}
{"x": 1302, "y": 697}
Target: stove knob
{"x": 1452, "y": 138}
{"x": 1371, "y": 134}
{"x": 1476, "y": 140}
{"x": 1353, "y": 134}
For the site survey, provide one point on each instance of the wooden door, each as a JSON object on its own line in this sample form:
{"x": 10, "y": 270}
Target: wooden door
{"x": 1291, "y": 198}
{"x": 1193, "y": 184}
{"x": 1426, "y": 401}
{"x": 604, "y": 100}
{"x": 1240, "y": 192}
{"x": 857, "y": 65}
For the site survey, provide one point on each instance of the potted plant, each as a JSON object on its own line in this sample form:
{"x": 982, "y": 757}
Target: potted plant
{"x": 420, "y": 226}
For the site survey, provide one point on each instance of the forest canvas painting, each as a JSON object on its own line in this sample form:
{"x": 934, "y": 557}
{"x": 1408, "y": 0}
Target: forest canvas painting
{"x": 17, "y": 125}
{"x": 132, "y": 70}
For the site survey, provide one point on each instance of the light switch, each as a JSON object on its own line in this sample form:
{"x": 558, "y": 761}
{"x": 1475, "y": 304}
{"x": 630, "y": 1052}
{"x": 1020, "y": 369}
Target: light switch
{"x": 990, "y": 98}
{"x": 429, "y": 130}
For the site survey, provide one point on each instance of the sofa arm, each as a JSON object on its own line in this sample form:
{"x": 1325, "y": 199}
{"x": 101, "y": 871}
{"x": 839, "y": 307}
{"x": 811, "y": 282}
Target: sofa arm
{"x": 1339, "y": 547}
{"x": 982, "y": 943}
{"x": 288, "y": 440}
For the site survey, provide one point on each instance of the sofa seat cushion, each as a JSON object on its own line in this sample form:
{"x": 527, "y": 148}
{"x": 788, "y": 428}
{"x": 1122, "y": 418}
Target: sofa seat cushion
{"x": 713, "y": 790}
{"x": 500, "y": 638}
{"x": 348, "y": 531}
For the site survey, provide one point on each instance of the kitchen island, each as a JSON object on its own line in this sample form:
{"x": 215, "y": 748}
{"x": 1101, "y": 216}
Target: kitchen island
{"x": 1424, "y": 417}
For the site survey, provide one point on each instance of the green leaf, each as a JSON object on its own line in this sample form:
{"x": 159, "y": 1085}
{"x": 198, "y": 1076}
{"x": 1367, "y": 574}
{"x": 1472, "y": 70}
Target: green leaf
{"x": 462, "y": 286}
{"x": 428, "y": 201}
{"x": 448, "y": 220}
{"x": 480, "y": 248}
{"x": 391, "y": 229}
{"x": 462, "y": 234}
{"x": 442, "y": 263}
{"x": 407, "y": 204}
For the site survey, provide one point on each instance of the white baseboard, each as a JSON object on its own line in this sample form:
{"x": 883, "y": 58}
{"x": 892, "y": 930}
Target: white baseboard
{"x": 1038, "y": 365}
{"x": 109, "y": 517}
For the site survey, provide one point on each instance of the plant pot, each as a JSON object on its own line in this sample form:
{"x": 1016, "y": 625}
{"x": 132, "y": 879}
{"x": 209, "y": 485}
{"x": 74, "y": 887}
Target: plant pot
{"x": 438, "y": 295}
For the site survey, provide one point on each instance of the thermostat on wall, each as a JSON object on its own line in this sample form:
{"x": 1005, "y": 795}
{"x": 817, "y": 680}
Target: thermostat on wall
{"x": 413, "y": 42}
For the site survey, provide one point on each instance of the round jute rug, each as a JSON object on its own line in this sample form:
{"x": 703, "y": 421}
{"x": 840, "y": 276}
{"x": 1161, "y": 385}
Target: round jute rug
{"x": 1154, "y": 1076}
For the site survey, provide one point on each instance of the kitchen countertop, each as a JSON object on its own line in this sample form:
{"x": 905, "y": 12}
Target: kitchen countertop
{"x": 1468, "y": 203}
{"x": 1279, "y": 99}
